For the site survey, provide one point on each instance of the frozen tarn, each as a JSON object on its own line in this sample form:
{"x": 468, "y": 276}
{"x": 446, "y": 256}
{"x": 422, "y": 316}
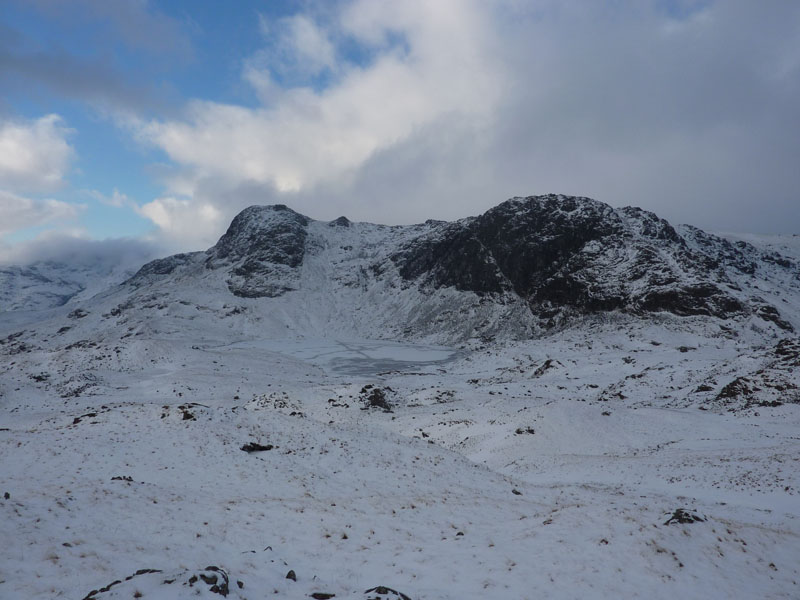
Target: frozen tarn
{"x": 357, "y": 357}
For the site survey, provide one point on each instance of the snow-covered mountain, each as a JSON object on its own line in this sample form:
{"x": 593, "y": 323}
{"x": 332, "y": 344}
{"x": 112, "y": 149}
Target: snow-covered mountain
{"x": 553, "y": 399}
{"x": 68, "y": 271}
{"x": 520, "y": 269}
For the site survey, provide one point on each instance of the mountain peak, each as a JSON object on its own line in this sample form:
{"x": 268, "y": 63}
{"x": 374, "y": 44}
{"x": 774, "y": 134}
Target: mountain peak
{"x": 340, "y": 222}
{"x": 262, "y": 247}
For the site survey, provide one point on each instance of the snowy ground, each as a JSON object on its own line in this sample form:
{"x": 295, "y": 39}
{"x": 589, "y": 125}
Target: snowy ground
{"x": 539, "y": 469}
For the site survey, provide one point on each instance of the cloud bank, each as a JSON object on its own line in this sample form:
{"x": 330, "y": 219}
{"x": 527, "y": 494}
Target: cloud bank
{"x": 77, "y": 251}
{"x": 688, "y": 109}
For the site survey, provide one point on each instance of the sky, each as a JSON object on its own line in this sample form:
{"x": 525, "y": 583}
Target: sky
{"x": 151, "y": 123}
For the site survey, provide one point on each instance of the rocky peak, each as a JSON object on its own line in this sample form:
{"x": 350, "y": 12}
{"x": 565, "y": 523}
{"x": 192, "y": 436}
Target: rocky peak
{"x": 340, "y": 222}
{"x": 270, "y": 232}
{"x": 262, "y": 249}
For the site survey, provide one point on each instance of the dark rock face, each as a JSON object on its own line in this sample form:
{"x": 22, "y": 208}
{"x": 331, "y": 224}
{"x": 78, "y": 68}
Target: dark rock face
{"x": 518, "y": 245}
{"x": 699, "y": 299}
{"x": 262, "y": 248}
{"x": 567, "y": 255}
{"x": 162, "y": 266}
{"x": 340, "y": 222}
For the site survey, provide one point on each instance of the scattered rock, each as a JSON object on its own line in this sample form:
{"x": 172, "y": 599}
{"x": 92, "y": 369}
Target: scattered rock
{"x": 546, "y": 366}
{"x": 291, "y": 575}
{"x": 322, "y": 596}
{"x": 521, "y": 430}
{"x": 382, "y": 592}
{"x": 214, "y": 577}
{"x": 90, "y": 415}
{"x": 188, "y": 415}
{"x": 770, "y": 404}
{"x": 93, "y": 594}
{"x": 681, "y": 515}
{"x": 375, "y": 397}
{"x": 256, "y": 447}
{"x": 736, "y": 388}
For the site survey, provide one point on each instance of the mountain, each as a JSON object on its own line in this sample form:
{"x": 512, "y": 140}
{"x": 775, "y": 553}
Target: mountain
{"x": 555, "y": 398}
{"x": 69, "y": 271}
{"x": 48, "y": 284}
{"x": 523, "y": 267}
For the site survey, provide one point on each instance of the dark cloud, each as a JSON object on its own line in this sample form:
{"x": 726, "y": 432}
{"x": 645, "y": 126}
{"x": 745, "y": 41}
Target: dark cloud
{"x": 134, "y": 23}
{"x": 127, "y": 46}
{"x": 55, "y": 70}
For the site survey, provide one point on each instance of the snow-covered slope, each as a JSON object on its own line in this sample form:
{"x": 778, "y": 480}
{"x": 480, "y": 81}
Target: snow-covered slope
{"x": 554, "y": 399}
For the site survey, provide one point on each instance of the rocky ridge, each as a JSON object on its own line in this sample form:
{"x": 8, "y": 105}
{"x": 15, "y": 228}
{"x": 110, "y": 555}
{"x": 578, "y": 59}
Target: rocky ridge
{"x": 557, "y": 257}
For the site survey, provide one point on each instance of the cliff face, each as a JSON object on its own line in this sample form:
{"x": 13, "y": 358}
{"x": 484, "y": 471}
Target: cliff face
{"x": 261, "y": 250}
{"x": 575, "y": 255}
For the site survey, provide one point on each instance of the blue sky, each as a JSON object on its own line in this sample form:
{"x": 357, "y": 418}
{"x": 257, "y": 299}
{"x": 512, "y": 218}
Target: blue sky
{"x": 159, "y": 120}
{"x": 204, "y": 61}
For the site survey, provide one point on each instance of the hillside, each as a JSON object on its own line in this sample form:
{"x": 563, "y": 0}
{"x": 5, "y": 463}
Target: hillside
{"x": 553, "y": 399}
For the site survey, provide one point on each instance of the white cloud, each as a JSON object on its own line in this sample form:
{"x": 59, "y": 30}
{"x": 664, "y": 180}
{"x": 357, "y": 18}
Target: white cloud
{"x": 688, "y": 109}
{"x": 117, "y": 199}
{"x": 17, "y": 212}
{"x": 34, "y": 155}
{"x": 299, "y": 44}
{"x": 310, "y": 136}
{"x": 297, "y": 50}
{"x": 183, "y": 222}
